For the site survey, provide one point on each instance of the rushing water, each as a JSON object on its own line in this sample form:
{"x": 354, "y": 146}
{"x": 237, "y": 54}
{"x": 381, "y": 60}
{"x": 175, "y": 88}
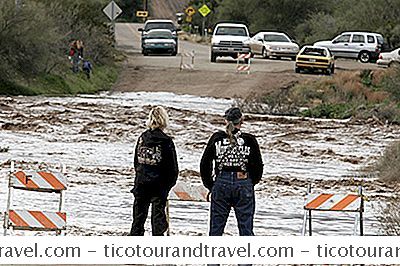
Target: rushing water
{"x": 95, "y": 136}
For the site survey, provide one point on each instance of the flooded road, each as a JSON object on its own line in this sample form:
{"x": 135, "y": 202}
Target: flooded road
{"x": 95, "y": 137}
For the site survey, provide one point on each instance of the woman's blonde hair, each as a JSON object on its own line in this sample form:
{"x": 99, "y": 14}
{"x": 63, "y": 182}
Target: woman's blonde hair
{"x": 158, "y": 118}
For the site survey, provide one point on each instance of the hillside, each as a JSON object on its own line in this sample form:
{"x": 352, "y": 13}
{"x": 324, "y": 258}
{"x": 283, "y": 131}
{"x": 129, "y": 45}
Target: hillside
{"x": 166, "y": 9}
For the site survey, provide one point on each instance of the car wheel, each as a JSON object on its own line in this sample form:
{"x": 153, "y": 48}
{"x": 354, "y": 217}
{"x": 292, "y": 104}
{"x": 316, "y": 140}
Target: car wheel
{"x": 145, "y": 53}
{"x": 297, "y": 70}
{"x": 328, "y": 71}
{"x": 174, "y": 53}
{"x": 264, "y": 53}
{"x": 213, "y": 58}
{"x": 364, "y": 57}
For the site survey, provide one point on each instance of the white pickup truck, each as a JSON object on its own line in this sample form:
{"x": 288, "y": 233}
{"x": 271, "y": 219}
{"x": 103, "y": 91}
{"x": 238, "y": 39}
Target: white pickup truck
{"x": 229, "y": 39}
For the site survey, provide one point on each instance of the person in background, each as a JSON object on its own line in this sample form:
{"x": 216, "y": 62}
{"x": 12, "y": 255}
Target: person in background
{"x": 79, "y": 47}
{"x": 237, "y": 168}
{"x": 87, "y": 68}
{"x": 156, "y": 169}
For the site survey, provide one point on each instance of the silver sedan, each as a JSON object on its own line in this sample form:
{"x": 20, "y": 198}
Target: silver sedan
{"x": 389, "y": 59}
{"x": 274, "y": 44}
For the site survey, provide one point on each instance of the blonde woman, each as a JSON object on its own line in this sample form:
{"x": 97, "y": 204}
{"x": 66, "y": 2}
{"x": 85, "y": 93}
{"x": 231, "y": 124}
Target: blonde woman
{"x": 156, "y": 173}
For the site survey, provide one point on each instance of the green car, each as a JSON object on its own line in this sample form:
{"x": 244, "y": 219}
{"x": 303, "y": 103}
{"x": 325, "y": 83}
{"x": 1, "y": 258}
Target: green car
{"x": 160, "y": 41}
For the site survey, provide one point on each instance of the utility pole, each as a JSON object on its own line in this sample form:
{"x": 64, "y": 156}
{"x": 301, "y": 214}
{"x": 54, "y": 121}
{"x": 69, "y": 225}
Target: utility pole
{"x": 204, "y": 22}
{"x": 145, "y": 7}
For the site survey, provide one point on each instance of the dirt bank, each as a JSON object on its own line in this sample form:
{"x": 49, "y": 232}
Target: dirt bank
{"x": 203, "y": 83}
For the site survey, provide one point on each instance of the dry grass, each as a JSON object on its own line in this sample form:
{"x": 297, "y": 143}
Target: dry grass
{"x": 388, "y": 166}
{"x": 390, "y": 218}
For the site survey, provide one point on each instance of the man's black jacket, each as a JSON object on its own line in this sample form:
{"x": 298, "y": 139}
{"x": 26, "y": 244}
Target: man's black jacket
{"x": 244, "y": 156}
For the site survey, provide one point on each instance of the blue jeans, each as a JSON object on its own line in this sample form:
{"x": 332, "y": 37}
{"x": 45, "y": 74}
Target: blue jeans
{"x": 227, "y": 192}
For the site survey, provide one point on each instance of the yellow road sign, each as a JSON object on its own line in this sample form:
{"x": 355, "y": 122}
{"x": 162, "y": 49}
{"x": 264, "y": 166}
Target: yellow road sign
{"x": 142, "y": 14}
{"x": 190, "y": 11}
{"x": 204, "y": 10}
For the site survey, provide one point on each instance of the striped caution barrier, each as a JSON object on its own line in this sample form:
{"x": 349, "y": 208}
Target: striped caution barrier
{"x": 243, "y": 67}
{"x": 40, "y": 181}
{"x": 183, "y": 191}
{"x": 244, "y": 56}
{"x": 37, "y": 220}
{"x": 334, "y": 202}
{"x": 187, "y": 192}
{"x": 187, "y": 67}
{"x": 190, "y": 65}
{"x": 36, "y": 181}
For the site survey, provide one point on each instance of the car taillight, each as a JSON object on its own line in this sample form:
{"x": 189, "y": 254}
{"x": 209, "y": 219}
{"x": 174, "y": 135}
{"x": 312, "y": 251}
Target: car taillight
{"x": 380, "y": 56}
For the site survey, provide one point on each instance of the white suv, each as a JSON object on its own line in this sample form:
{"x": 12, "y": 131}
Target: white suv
{"x": 364, "y": 46}
{"x": 229, "y": 39}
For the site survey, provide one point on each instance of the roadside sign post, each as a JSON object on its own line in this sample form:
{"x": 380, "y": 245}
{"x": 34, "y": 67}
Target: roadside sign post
{"x": 190, "y": 11}
{"x": 142, "y": 14}
{"x": 204, "y": 10}
{"x": 112, "y": 11}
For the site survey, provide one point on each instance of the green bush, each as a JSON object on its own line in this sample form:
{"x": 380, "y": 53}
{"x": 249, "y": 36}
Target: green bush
{"x": 332, "y": 111}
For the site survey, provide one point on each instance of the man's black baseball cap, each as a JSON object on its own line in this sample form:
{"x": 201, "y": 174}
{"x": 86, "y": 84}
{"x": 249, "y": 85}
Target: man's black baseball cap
{"x": 233, "y": 115}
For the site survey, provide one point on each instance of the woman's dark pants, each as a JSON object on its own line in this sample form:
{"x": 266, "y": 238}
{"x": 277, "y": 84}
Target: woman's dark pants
{"x": 141, "y": 206}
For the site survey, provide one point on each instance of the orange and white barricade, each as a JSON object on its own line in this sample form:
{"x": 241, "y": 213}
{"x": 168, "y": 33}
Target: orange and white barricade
{"x": 334, "y": 203}
{"x": 38, "y": 220}
{"x": 243, "y": 67}
{"x": 187, "y": 65}
{"x": 183, "y": 191}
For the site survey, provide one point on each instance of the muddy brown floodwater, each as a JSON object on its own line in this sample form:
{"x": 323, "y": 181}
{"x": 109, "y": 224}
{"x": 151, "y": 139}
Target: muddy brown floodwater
{"x": 95, "y": 136}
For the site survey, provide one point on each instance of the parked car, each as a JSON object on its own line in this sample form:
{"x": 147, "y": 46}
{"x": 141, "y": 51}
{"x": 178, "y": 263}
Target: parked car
{"x": 364, "y": 46}
{"x": 153, "y": 24}
{"x": 389, "y": 59}
{"x": 314, "y": 58}
{"x": 159, "y": 41}
{"x": 275, "y": 44}
{"x": 229, "y": 39}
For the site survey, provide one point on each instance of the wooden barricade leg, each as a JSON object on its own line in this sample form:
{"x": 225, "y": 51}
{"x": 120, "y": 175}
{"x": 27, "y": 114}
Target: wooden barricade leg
{"x": 181, "y": 66}
{"x": 6, "y": 214}
{"x": 356, "y": 216}
{"x": 304, "y": 227}
{"x": 309, "y": 213}
{"x": 360, "y": 192}
{"x": 168, "y": 218}
{"x": 237, "y": 63}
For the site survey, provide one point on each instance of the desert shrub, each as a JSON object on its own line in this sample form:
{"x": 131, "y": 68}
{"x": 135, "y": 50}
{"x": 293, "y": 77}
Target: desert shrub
{"x": 333, "y": 111}
{"x": 388, "y": 166}
{"x": 390, "y": 218}
{"x": 391, "y": 83}
{"x": 35, "y": 38}
{"x": 28, "y": 40}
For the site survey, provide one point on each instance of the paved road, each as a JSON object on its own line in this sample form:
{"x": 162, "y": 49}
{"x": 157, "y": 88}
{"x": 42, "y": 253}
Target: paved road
{"x": 128, "y": 38}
